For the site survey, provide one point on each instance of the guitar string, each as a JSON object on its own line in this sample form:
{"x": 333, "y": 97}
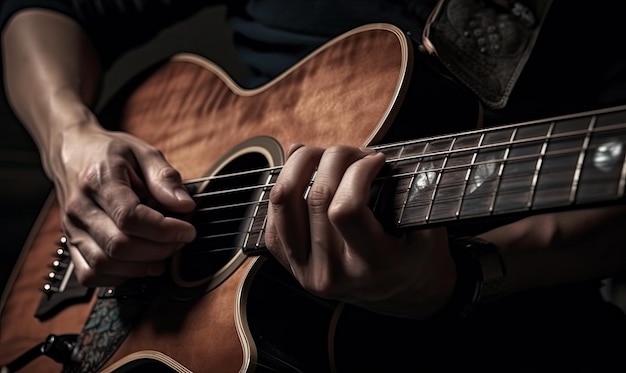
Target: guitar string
{"x": 476, "y": 196}
{"x": 414, "y": 157}
{"x": 237, "y": 233}
{"x": 199, "y": 196}
{"x": 494, "y": 146}
{"x": 522, "y": 190}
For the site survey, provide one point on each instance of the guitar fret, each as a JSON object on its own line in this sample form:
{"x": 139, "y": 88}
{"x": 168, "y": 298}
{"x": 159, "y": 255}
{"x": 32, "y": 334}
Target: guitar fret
{"x": 581, "y": 159}
{"x": 254, "y": 237}
{"x": 455, "y": 177}
{"x": 308, "y": 188}
{"x": 602, "y": 170}
{"x": 468, "y": 173}
{"x": 438, "y": 181}
{"x": 412, "y": 181}
{"x": 479, "y": 185}
{"x": 560, "y": 163}
{"x": 377, "y": 195}
{"x": 518, "y": 177}
{"x": 620, "y": 123}
{"x": 388, "y": 185}
{"x": 615, "y": 123}
{"x": 260, "y": 243}
{"x": 408, "y": 189}
{"x": 432, "y": 199}
{"x": 505, "y": 157}
{"x": 535, "y": 179}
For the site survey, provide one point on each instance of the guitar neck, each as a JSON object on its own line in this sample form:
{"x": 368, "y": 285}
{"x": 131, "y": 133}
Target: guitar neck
{"x": 560, "y": 163}
{"x": 522, "y": 169}
{"x": 515, "y": 170}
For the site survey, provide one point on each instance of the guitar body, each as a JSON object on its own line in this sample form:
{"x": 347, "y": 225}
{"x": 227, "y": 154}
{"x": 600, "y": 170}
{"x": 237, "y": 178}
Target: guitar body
{"x": 236, "y": 312}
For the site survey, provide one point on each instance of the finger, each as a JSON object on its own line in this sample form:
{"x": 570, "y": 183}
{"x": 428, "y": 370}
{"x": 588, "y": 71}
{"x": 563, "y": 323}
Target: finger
{"x": 293, "y": 148}
{"x": 93, "y": 267}
{"x": 112, "y": 191}
{"x": 349, "y": 212}
{"x": 331, "y": 172}
{"x": 85, "y": 219}
{"x": 164, "y": 182}
{"x": 287, "y": 214}
{"x": 87, "y": 276}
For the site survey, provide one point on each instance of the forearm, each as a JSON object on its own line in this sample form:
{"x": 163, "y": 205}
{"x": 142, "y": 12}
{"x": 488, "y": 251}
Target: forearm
{"x": 51, "y": 74}
{"x": 562, "y": 247}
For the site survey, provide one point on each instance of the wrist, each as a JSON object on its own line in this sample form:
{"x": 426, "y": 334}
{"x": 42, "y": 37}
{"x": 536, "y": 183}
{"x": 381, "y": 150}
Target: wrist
{"x": 480, "y": 275}
{"x": 64, "y": 132}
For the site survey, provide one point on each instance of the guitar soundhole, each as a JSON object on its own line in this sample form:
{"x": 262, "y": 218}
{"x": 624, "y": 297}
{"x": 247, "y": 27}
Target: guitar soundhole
{"x": 224, "y": 211}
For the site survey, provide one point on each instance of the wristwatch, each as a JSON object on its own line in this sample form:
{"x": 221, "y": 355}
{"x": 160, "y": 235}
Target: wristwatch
{"x": 480, "y": 275}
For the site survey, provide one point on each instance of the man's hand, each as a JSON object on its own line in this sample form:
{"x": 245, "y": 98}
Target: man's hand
{"x": 112, "y": 188}
{"x": 334, "y": 246}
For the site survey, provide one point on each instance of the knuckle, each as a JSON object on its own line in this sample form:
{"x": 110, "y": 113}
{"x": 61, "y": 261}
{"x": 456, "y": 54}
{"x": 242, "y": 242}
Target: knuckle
{"x": 336, "y": 149}
{"x": 90, "y": 180}
{"x": 97, "y": 262}
{"x": 115, "y": 245}
{"x": 153, "y": 152}
{"x": 73, "y": 207}
{"x": 277, "y": 194}
{"x": 322, "y": 288}
{"x": 338, "y": 152}
{"x": 170, "y": 173}
{"x": 306, "y": 151}
{"x": 319, "y": 197}
{"x": 341, "y": 212}
{"x": 123, "y": 216}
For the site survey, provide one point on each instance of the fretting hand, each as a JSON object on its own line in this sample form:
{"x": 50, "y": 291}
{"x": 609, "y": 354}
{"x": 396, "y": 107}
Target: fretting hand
{"x": 334, "y": 246}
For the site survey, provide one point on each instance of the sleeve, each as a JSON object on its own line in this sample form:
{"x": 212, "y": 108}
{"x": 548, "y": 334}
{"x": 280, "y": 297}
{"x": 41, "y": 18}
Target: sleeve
{"x": 114, "y": 26}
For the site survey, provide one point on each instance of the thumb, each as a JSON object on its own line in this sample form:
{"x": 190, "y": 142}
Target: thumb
{"x": 164, "y": 183}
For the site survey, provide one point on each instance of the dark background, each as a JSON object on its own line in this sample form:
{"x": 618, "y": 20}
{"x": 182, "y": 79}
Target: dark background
{"x": 23, "y": 185}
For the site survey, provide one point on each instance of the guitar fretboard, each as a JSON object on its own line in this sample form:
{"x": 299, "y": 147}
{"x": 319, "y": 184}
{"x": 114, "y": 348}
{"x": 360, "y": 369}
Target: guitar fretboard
{"x": 563, "y": 162}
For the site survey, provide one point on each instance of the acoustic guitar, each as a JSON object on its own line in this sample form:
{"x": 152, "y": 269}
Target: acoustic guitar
{"x": 226, "y": 306}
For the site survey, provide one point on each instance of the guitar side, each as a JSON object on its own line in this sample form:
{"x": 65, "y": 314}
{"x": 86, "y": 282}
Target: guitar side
{"x": 349, "y": 91}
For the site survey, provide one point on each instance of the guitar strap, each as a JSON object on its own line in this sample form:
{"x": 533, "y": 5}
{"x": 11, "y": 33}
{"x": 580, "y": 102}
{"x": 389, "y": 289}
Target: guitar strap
{"x": 115, "y": 313}
{"x": 485, "y": 43}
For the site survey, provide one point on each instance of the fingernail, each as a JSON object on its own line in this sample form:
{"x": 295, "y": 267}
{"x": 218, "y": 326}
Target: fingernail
{"x": 186, "y": 236}
{"x": 182, "y": 195}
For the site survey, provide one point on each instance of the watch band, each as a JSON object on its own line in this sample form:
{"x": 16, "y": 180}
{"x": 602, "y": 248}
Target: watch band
{"x": 491, "y": 271}
{"x": 480, "y": 275}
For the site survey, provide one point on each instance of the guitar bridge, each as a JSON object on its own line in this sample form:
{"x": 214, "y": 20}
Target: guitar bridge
{"x": 61, "y": 288}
